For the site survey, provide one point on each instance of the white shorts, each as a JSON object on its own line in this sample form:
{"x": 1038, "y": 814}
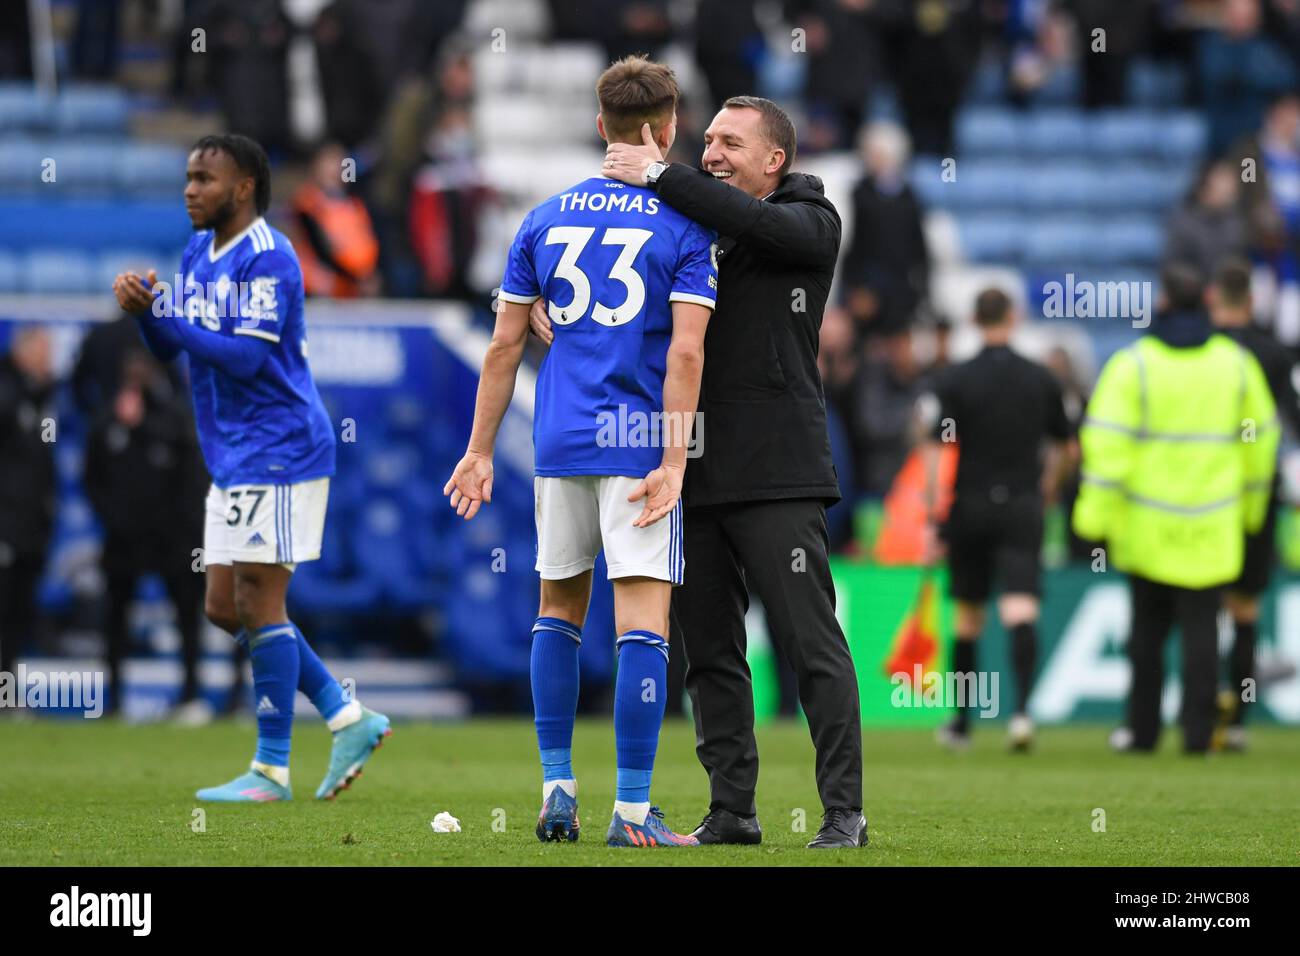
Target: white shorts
{"x": 578, "y": 515}
{"x": 265, "y": 524}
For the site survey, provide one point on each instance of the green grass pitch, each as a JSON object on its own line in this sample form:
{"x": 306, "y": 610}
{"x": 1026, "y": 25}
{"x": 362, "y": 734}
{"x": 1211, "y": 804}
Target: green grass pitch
{"x": 81, "y": 793}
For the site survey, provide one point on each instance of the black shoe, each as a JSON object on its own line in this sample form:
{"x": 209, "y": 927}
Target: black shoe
{"x": 723, "y": 826}
{"x": 841, "y": 827}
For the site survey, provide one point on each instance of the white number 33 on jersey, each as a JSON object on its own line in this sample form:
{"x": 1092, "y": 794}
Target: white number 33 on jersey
{"x": 574, "y": 239}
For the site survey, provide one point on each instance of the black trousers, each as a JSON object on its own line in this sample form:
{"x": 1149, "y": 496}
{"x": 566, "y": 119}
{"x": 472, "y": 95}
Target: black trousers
{"x": 20, "y": 573}
{"x": 779, "y": 549}
{"x": 185, "y": 589}
{"x": 1156, "y": 607}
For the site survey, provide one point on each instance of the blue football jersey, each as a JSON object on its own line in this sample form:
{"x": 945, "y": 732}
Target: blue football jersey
{"x": 273, "y": 428}
{"x": 609, "y": 259}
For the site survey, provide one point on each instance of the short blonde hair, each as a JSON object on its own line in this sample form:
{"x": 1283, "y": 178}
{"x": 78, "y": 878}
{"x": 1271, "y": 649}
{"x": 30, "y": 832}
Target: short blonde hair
{"x": 636, "y": 90}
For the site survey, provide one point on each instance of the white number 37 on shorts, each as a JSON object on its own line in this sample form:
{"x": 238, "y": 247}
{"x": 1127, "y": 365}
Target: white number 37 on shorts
{"x": 265, "y": 524}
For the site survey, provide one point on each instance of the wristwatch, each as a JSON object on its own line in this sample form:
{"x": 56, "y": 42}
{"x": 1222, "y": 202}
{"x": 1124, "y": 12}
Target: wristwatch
{"x": 653, "y": 172}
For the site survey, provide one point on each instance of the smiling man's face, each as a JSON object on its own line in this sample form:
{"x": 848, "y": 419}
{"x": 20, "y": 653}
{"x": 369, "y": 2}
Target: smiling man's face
{"x": 737, "y": 152}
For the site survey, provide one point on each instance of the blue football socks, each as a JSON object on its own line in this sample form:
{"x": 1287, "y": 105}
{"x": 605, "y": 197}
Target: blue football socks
{"x": 638, "y": 715}
{"x": 274, "y": 656}
{"x": 553, "y": 670}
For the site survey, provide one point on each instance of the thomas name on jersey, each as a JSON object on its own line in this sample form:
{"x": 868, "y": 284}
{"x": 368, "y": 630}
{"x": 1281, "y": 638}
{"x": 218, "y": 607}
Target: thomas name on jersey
{"x": 610, "y": 201}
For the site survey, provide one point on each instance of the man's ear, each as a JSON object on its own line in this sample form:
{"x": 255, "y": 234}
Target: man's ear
{"x": 775, "y": 160}
{"x": 669, "y": 134}
{"x": 600, "y": 127}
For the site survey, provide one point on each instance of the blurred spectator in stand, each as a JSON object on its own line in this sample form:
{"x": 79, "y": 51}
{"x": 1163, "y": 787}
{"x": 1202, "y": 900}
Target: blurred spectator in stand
{"x": 1074, "y": 397}
{"x": 16, "y": 44}
{"x": 350, "y": 84}
{"x": 729, "y": 46}
{"x": 938, "y": 356}
{"x": 145, "y": 478}
{"x": 885, "y": 273}
{"x": 843, "y": 48}
{"x": 27, "y": 484}
{"x": 97, "y": 374}
{"x": 1239, "y": 70}
{"x": 248, "y": 49}
{"x": 1270, "y": 163}
{"x": 401, "y": 37}
{"x": 1041, "y": 47}
{"x": 1209, "y": 225}
{"x": 331, "y": 232}
{"x": 837, "y": 361}
{"x": 884, "y": 397}
{"x": 1126, "y": 30}
{"x": 933, "y": 46}
{"x": 95, "y": 39}
{"x": 452, "y": 206}
{"x": 628, "y": 27}
{"x": 413, "y": 120}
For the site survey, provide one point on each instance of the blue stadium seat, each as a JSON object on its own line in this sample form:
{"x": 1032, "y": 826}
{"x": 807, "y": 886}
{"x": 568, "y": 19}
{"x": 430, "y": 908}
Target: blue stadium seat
{"x": 140, "y": 261}
{"x": 93, "y": 223}
{"x": 1065, "y": 241}
{"x": 988, "y": 131}
{"x": 1055, "y": 133}
{"x": 1131, "y": 242}
{"x": 993, "y": 238}
{"x": 924, "y": 177}
{"x": 984, "y": 185}
{"x": 1123, "y": 133}
{"x": 82, "y": 168}
{"x": 22, "y": 108}
{"x": 92, "y": 109}
{"x": 10, "y": 273}
{"x": 21, "y": 160}
{"x": 1137, "y": 187}
{"x": 1061, "y": 86}
{"x": 1183, "y": 135}
{"x": 150, "y": 169}
{"x": 1062, "y": 185}
{"x": 57, "y": 271}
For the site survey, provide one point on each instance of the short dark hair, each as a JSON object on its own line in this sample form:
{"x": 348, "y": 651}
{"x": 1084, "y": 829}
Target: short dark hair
{"x": 1183, "y": 287}
{"x": 636, "y": 90}
{"x": 777, "y": 126}
{"x": 992, "y": 307}
{"x": 249, "y": 157}
{"x": 1232, "y": 282}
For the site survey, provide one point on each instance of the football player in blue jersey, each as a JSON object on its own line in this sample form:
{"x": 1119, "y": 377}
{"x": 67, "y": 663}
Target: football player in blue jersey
{"x": 236, "y": 310}
{"x": 629, "y": 285}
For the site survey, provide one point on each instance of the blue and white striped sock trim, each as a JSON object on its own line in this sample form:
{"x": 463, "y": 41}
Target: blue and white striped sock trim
{"x": 643, "y": 637}
{"x": 564, "y": 627}
{"x": 267, "y": 633}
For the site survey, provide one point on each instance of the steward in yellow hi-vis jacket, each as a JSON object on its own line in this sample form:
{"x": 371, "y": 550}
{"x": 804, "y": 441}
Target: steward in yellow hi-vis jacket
{"x": 1179, "y": 450}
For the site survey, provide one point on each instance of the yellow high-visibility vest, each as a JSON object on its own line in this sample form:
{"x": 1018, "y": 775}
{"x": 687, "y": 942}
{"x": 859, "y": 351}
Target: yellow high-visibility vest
{"x": 1179, "y": 450}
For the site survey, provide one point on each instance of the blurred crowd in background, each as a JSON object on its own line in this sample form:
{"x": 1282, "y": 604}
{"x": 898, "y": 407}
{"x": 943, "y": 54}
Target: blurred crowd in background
{"x": 450, "y": 118}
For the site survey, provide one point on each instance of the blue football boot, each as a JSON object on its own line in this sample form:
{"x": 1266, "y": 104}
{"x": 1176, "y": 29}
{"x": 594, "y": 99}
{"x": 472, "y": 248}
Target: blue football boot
{"x": 252, "y": 787}
{"x": 651, "y": 833}
{"x": 353, "y": 746}
{"x": 559, "y": 818}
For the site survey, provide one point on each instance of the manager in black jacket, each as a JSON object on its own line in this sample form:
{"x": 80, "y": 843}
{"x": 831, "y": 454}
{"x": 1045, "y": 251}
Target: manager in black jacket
{"x": 755, "y": 501}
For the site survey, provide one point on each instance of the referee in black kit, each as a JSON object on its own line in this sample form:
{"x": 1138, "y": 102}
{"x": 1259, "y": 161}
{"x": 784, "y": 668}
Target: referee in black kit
{"x": 1001, "y": 409}
{"x": 755, "y": 501}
